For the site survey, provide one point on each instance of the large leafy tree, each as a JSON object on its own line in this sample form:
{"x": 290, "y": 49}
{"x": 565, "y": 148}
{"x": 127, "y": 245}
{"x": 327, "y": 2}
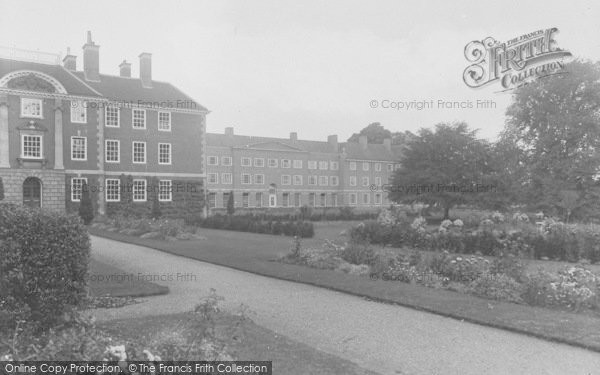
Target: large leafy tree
{"x": 445, "y": 166}
{"x": 555, "y": 122}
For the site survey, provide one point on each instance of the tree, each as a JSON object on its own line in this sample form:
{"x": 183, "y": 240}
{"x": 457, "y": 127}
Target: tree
{"x": 86, "y": 209}
{"x": 556, "y": 123}
{"x": 445, "y": 167}
{"x": 375, "y": 133}
{"x": 1, "y": 189}
{"x": 230, "y": 206}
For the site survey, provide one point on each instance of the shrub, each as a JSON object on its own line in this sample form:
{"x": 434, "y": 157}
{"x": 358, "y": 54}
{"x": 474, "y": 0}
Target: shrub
{"x": 86, "y": 210}
{"x": 43, "y": 264}
{"x": 1, "y": 189}
{"x": 499, "y": 287}
{"x": 253, "y": 223}
{"x": 359, "y": 253}
{"x": 230, "y": 205}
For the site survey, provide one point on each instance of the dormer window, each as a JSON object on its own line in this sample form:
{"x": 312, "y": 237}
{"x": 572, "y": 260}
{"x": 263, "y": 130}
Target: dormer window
{"x": 78, "y": 111}
{"x": 31, "y": 107}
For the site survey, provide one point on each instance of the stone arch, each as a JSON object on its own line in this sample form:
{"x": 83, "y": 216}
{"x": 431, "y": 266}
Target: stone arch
{"x": 58, "y": 87}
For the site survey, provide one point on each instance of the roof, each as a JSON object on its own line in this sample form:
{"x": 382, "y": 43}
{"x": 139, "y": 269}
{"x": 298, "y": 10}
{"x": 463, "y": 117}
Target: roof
{"x": 130, "y": 90}
{"x": 72, "y": 84}
{"x": 376, "y": 152}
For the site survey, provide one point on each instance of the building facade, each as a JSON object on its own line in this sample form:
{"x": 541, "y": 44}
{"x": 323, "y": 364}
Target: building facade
{"x": 61, "y": 127}
{"x": 265, "y": 172}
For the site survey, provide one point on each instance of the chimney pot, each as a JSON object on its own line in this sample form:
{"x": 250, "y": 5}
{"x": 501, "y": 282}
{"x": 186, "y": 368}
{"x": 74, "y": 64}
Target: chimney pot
{"x": 293, "y": 136}
{"x": 91, "y": 59}
{"x": 229, "y": 131}
{"x": 125, "y": 69}
{"x": 363, "y": 141}
{"x": 146, "y": 69}
{"x": 70, "y": 61}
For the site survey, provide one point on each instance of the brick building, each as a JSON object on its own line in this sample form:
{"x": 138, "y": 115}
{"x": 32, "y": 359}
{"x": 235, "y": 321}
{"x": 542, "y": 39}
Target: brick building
{"x": 275, "y": 172}
{"x": 60, "y": 127}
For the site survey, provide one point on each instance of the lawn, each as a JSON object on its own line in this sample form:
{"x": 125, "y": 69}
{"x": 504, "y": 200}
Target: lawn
{"x": 288, "y": 356}
{"x": 257, "y": 253}
{"x": 106, "y": 280}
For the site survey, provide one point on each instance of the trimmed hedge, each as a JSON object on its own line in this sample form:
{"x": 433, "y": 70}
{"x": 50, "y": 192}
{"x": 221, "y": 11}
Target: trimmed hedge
{"x": 305, "y": 213}
{"x": 254, "y": 224}
{"x": 44, "y": 260}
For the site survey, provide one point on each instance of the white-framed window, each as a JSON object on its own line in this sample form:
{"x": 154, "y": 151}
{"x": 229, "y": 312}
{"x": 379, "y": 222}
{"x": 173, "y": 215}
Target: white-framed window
{"x": 212, "y": 200}
{"x": 226, "y": 199}
{"x": 112, "y": 151}
{"x": 139, "y": 190}
{"x": 378, "y": 198}
{"x": 366, "y": 197}
{"x": 259, "y": 200}
{"x": 113, "y": 189}
{"x": 226, "y": 178}
{"x": 165, "y": 190}
{"x": 245, "y": 200}
{"x": 352, "y": 198}
{"x": 297, "y": 199}
{"x": 298, "y": 164}
{"x": 323, "y": 165}
{"x": 286, "y": 179}
{"x": 352, "y": 180}
{"x": 334, "y": 165}
{"x": 212, "y": 160}
{"x": 226, "y": 161}
{"x": 138, "y": 118}
{"x": 378, "y": 181}
{"x": 365, "y": 181}
{"x": 323, "y": 200}
{"x": 323, "y": 180}
{"x": 334, "y": 200}
{"x": 390, "y": 167}
{"x": 312, "y": 164}
{"x": 352, "y": 165}
{"x": 335, "y": 181}
{"x": 112, "y": 116}
{"x": 311, "y": 199}
{"x": 397, "y": 166}
{"x": 312, "y": 180}
{"x": 285, "y": 163}
{"x": 31, "y": 108}
{"x": 365, "y": 166}
{"x": 259, "y": 179}
{"x": 259, "y": 162}
{"x": 246, "y": 162}
{"x": 273, "y": 163}
{"x": 164, "y": 153}
{"x": 298, "y": 179}
{"x": 164, "y": 121}
{"x": 139, "y": 152}
{"x": 79, "y": 111}
{"x": 285, "y": 201}
{"x": 246, "y": 178}
{"x": 377, "y": 167}
{"x": 76, "y": 188}
{"x": 212, "y": 178}
{"x": 31, "y": 146}
{"x": 78, "y": 148}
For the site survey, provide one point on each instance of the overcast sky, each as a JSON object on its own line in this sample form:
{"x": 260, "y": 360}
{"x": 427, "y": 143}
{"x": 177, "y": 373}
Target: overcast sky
{"x": 272, "y": 67}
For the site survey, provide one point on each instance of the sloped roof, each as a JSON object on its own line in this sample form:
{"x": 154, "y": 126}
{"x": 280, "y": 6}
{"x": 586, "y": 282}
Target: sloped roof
{"x": 125, "y": 89}
{"x": 72, "y": 85}
{"x": 353, "y": 150}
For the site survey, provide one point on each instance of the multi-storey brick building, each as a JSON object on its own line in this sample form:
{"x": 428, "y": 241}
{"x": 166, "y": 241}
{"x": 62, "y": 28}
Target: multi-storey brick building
{"x": 60, "y": 127}
{"x": 276, "y": 172}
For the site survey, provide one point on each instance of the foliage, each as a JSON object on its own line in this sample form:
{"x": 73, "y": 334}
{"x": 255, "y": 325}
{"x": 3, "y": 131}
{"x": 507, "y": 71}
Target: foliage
{"x": 43, "y": 264}
{"x": 155, "y": 213}
{"x": 86, "y": 209}
{"x": 230, "y": 204}
{"x": 1, "y": 189}
{"x": 440, "y": 164}
{"x": 251, "y": 223}
{"x": 500, "y": 287}
{"x": 359, "y": 253}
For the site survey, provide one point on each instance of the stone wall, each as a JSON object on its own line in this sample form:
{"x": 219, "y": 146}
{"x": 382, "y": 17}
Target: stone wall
{"x": 53, "y": 186}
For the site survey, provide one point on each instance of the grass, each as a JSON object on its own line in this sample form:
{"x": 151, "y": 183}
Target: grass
{"x": 257, "y": 253}
{"x": 288, "y": 356}
{"x": 107, "y": 280}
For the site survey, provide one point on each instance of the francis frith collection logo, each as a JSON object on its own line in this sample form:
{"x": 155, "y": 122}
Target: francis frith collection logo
{"x": 516, "y": 62}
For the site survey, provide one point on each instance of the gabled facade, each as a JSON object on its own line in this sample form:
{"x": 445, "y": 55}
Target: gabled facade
{"x": 60, "y": 127}
{"x": 267, "y": 172}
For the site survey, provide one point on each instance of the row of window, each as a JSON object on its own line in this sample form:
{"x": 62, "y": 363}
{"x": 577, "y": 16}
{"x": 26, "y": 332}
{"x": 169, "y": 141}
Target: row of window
{"x": 287, "y": 163}
{"x": 138, "y": 151}
{"x": 112, "y": 115}
{"x": 295, "y": 200}
{"x": 112, "y": 191}
{"x": 259, "y": 179}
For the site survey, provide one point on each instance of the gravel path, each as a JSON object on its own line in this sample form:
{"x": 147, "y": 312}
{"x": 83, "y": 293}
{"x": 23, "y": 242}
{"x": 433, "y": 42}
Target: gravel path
{"x": 384, "y": 338}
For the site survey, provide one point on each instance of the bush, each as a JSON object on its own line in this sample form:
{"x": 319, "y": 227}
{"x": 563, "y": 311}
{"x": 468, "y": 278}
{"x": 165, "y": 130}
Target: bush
{"x": 359, "y": 253}
{"x": 254, "y": 224}
{"x": 43, "y": 264}
{"x": 499, "y": 287}
{"x": 1, "y": 189}
{"x": 86, "y": 210}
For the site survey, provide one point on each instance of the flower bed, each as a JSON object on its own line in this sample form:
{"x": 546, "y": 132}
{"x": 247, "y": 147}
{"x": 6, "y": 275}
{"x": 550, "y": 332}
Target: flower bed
{"x": 255, "y": 224}
{"x": 163, "y": 228}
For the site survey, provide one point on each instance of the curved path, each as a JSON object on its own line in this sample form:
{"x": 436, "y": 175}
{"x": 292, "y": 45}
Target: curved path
{"x": 385, "y": 338}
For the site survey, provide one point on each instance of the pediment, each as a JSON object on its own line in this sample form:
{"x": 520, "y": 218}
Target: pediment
{"x": 30, "y": 83}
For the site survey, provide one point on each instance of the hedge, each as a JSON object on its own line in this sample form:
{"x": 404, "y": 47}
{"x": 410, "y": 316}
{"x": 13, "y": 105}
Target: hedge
{"x": 252, "y": 223}
{"x": 43, "y": 264}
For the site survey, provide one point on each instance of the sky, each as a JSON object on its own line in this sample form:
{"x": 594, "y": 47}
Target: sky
{"x": 271, "y": 67}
